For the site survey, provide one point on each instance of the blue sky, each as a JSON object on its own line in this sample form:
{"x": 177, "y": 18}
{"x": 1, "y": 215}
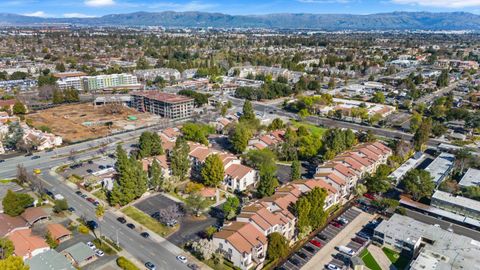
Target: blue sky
{"x": 87, "y": 8}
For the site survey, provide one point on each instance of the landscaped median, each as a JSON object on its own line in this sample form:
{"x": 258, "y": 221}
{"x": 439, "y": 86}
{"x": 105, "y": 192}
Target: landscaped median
{"x": 369, "y": 261}
{"x": 147, "y": 221}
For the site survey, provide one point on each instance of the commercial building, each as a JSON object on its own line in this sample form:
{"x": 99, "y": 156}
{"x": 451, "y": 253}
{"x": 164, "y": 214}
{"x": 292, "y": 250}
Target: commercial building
{"x": 441, "y": 167}
{"x": 456, "y": 204}
{"x": 49, "y": 260}
{"x": 430, "y": 247}
{"x": 167, "y": 105}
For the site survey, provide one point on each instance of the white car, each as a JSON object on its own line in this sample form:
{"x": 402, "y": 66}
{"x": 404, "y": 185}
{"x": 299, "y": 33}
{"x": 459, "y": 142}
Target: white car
{"x": 182, "y": 259}
{"x": 99, "y": 253}
{"x": 91, "y": 245}
{"x": 331, "y": 266}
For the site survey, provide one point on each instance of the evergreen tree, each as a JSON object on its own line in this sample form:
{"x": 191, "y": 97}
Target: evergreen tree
{"x": 268, "y": 180}
{"x": 15, "y": 203}
{"x": 212, "y": 172}
{"x": 317, "y": 216}
{"x": 248, "y": 113}
{"x": 58, "y": 97}
{"x": 156, "y": 176}
{"x": 277, "y": 246}
{"x": 239, "y": 137}
{"x": 295, "y": 172}
{"x": 179, "y": 159}
{"x": 140, "y": 177}
{"x": 19, "y": 108}
{"x": 302, "y": 210}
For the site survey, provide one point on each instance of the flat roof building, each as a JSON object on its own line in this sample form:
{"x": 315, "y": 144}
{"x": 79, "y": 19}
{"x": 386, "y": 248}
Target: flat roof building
{"x": 441, "y": 167}
{"x": 431, "y": 247}
{"x": 164, "y": 104}
{"x": 456, "y": 204}
{"x": 471, "y": 178}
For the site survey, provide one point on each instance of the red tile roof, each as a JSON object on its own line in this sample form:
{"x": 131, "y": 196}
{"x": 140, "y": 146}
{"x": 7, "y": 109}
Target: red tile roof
{"x": 237, "y": 171}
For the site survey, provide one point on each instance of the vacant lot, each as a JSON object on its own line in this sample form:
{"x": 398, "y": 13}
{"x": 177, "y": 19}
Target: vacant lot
{"x": 147, "y": 221}
{"x": 79, "y": 122}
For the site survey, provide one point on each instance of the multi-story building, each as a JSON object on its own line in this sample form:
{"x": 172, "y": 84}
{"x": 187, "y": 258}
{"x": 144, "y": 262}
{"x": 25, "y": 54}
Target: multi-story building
{"x": 441, "y": 167}
{"x": 430, "y": 247}
{"x": 456, "y": 204}
{"x": 71, "y": 82}
{"x": 100, "y": 82}
{"x": 167, "y": 105}
{"x": 166, "y": 73}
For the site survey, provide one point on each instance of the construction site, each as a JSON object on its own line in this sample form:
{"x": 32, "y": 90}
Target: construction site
{"x": 79, "y": 122}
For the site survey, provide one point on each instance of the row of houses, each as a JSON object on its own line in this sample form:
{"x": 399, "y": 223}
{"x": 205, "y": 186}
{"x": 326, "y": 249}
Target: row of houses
{"x": 244, "y": 241}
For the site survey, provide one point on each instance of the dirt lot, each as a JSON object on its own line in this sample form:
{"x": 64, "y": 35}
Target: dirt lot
{"x": 79, "y": 122}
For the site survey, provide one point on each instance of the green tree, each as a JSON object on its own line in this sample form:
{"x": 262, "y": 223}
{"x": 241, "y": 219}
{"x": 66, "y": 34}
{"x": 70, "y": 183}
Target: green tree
{"x": 13, "y": 263}
{"x": 317, "y": 216}
{"x": 195, "y": 203}
{"x": 60, "y": 67}
{"x": 15, "y": 203}
{"x": 277, "y": 246}
{"x": 268, "y": 180}
{"x": 230, "y": 207}
{"x": 415, "y": 122}
{"x": 156, "y": 176}
{"x": 302, "y": 211}
{"x": 180, "y": 164}
{"x": 19, "y": 108}
{"x": 58, "y": 97}
{"x": 422, "y": 134}
{"x": 100, "y": 211}
{"x": 295, "y": 172}
{"x": 239, "y": 137}
{"x": 60, "y": 205}
{"x": 378, "y": 97}
{"x": 142, "y": 63}
{"x": 197, "y": 132}
{"x": 248, "y": 113}
{"x": 277, "y": 123}
{"x": 6, "y": 248}
{"x": 418, "y": 183}
{"x": 150, "y": 144}
{"x": 50, "y": 240}
{"x": 443, "y": 79}
{"x": 212, "y": 171}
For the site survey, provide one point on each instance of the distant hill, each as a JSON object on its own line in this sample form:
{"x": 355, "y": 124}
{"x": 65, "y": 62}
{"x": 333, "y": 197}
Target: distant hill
{"x": 327, "y": 22}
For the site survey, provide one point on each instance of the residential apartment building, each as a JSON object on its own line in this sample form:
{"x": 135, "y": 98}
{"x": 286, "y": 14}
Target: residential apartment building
{"x": 166, "y": 73}
{"x": 441, "y": 167}
{"x": 242, "y": 244}
{"x": 167, "y": 105}
{"x": 100, "y": 82}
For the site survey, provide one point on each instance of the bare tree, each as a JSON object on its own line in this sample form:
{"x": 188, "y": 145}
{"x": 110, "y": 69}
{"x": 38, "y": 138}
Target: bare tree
{"x": 22, "y": 175}
{"x": 172, "y": 212}
{"x": 72, "y": 156}
{"x": 113, "y": 108}
{"x": 45, "y": 92}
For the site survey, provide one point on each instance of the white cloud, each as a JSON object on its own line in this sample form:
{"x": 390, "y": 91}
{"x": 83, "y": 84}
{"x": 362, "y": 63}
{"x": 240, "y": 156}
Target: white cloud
{"x": 190, "y": 6}
{"x": 36, "y": 14}
{"x": 440, "y": 3}
{"x": 77, "y": 15}
{"x": 99, "y": 3}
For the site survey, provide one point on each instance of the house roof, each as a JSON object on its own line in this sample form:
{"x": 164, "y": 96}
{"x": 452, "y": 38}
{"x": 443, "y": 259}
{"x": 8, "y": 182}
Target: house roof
{"x": 242, "y": 236}
{"x": 237, "y": 171}
{"x": 208, "y": 192}
{"x": 8, "y": 224}
{"x": 32, "y": 214}
{"x": 79, "y": 252}
{"x": 58, "y": 230}
{"x": 199, "y": 152}
{"x": 332, "y": 176}
{"x": 49, "y": 260}
{"x": 25, "y": 242}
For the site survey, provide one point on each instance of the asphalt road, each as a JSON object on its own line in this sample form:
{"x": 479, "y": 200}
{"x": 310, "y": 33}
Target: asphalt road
{"x": 429, "y": 98}
{"x": 162, "y": 254}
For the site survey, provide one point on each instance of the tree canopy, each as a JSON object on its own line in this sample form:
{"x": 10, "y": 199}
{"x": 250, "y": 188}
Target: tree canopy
{"x": 14, "y": 203}
{"x": 212, "y": 171}
{"x": 418, "y": 183}
{"x": 277, "y": 246}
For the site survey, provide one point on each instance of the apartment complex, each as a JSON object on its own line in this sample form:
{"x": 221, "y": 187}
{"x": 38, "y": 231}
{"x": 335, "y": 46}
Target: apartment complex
{"x": 456, "y": 204}
{"x": 431, "y": 247}
{"x": 166, "y": 73}
{"x": 273, "y": 213}
{"x": 167, "y": 105}
{"x": 441, "y": 167}
{"x": 100, "y": 82}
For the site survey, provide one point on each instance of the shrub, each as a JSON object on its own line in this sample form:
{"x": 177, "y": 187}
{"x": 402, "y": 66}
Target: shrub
{"x": 125, "y": 264}
{"x": 83, "y": 229}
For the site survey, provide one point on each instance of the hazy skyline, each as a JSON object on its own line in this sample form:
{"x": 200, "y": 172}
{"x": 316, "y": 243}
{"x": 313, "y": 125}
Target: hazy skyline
{"x": 92, "y": 8}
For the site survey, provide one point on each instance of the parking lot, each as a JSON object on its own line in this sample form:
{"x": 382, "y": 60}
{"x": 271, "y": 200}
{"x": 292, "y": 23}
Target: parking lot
{"x": 189, "y": 226}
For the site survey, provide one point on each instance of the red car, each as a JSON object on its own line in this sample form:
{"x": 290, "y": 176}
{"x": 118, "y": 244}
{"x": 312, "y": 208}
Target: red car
{"x": 370, "y": 196}
{"x": 335, "y": 224}
{"x": 316, "y": 243}
{"x": 90, "y": 200}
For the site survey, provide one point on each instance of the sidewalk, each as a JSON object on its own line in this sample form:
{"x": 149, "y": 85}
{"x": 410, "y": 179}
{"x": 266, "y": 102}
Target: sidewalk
{"x": 381, "y": 258}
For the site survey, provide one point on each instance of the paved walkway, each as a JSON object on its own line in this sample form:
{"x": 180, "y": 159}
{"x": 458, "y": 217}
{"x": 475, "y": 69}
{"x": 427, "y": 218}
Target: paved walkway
{"x": 324, "y": 256}
{"x": 381, "y": 258}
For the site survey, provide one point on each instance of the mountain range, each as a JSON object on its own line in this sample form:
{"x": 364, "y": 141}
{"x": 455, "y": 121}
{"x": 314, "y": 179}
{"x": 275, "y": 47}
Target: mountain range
{"x": 326, "y": 22}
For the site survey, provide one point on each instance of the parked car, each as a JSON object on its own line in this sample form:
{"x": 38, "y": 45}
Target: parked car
{"x": 346, "y": 250}
{"x": 96, "y": 203}
{"x": 342, "y": 221}
{"x": 131, "y": 226}
{"x": 193, "y": 266}
{"x": 332, "y": 266}
{"x": 182, "y": 259}
{"x": 335, "y": 224}
{"x": 316, "y": 243}
{"x": 78, "y": 192}
{"x": 363, "y": 235}
{"x": 370, "y": 196}
{"x": 35, "y": 157}
{"x": 90, "y": 200}
{"x": 302, "y": 255}
{"x": 150, "y": 266}
{"x": 294, "y": 261}
{"x": 342, "y": 257}
{"x": 71, "y": 209}
{"x": 99, "y": 253}
{"x": 309, "y": 249}
{"x": 322, "y": 236}
{"x": 91, "y": 245}
{"x": 101, "y": 167}
{"x": 359, "y": 240}
{"x": 92, "y": 224}
{"x": 145, "y": 234}
{"x": 122, "y": 220}
{"x": 2, "y": 160}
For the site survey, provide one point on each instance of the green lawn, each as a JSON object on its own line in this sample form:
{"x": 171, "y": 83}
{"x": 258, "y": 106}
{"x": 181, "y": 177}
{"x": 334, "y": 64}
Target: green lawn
{"x": 316, "y": 130}
{"x": 398, "y": 261}
{"x": 369, "y": 261}
{"x": 148, "y": 221}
